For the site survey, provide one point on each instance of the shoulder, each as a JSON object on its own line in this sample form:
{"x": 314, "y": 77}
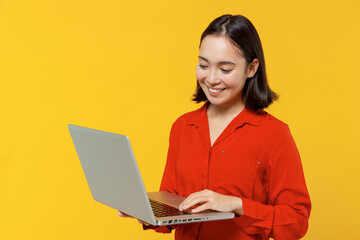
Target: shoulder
{"x": 273, "y": 129}
{"x": 192, "y": 117}
{"x": 279, "y": 134}
{"x": 187, "y": 118}
{"x": 187, "y": 121}
{"x": 272, "y": 123}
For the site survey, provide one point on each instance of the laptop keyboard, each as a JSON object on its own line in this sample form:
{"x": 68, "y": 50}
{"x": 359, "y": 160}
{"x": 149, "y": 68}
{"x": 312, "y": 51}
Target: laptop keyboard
{"x": 163, "y": 210}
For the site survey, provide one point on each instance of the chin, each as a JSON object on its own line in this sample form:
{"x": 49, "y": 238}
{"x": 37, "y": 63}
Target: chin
{"x": 216, "y": 102}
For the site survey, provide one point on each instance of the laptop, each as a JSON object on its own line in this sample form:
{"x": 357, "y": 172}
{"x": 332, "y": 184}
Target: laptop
{"x": 114, "y": 179}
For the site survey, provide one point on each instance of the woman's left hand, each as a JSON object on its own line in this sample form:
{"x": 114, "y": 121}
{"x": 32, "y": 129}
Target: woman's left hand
{"x": 208, "y": 199}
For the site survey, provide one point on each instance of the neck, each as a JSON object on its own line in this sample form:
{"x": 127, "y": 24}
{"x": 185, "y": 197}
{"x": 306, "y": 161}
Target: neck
{"x": 225, "y": 111}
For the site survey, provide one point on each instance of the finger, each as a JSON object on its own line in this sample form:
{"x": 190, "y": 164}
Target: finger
{"x": 202, "y": 207}
{"x": 195, "y": 195}
{"x": 145, "y": 223}
{"x": 191, "y": 198}
{"x": 186, "y": 201}
{"x": 121, "y": 214}
{"x": 198, "y": 199}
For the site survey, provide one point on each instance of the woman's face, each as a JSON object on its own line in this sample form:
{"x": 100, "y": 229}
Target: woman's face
{"x": 222, "y": 71}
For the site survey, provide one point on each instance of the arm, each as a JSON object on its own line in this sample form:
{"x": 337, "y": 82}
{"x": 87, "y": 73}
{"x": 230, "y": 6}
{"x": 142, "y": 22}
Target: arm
{"x": 285, "y": 216}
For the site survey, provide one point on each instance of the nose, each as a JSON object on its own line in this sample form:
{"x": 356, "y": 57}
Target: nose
{"x": 213, "y": 78}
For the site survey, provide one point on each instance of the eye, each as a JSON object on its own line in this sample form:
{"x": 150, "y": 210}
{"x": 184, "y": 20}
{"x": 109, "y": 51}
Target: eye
{"x": 203, "y": 66}
{"x": 225, "y": 70}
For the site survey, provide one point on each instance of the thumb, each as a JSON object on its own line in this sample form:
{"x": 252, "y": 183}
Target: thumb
{"x": 121, "y": 214}
{"x": 145, "y": 223}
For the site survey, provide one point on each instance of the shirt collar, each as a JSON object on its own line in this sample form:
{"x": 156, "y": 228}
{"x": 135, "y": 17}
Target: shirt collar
{"x": 246, "y": 116}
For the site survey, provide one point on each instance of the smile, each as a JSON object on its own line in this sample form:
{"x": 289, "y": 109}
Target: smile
{"x": 215, "y": 90}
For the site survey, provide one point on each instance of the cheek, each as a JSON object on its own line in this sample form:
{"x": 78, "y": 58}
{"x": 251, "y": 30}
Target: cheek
{"x": 234, "y": 80}
{"x": 200, "y": 74}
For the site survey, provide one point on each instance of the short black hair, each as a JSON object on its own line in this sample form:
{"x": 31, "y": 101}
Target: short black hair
{"x": 256, "y": 93}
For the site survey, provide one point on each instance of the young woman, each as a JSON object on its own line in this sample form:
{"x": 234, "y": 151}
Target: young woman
{"x": 231, "y": 155}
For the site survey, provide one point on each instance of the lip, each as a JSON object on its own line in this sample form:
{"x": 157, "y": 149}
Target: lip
{"x": 215, "y": 91}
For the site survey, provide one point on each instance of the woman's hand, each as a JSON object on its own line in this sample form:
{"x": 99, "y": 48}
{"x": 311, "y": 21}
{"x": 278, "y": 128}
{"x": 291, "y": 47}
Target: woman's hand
{"x": 208, "y": 199}
{"x": 121, "y": 214}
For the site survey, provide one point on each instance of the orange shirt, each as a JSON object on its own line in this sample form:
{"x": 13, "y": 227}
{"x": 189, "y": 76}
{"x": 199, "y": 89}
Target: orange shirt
{"x": 255, "y": 158}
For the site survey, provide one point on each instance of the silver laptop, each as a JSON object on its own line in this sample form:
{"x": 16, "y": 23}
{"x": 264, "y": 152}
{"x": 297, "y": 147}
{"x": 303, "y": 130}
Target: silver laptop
{"x": 114, "y": 179}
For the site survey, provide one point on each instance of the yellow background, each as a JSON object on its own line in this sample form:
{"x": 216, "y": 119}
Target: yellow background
{"x": 129, "y": 67}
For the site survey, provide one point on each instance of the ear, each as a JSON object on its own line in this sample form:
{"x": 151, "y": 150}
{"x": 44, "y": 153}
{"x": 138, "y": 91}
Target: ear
{"x": 252, "y": 68}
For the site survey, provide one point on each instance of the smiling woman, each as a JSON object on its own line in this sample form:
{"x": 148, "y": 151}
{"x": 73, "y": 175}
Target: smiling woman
{"x": 222, "y": 72}
{"x": 231, "y": 155}
{"x": 236, "y": 39}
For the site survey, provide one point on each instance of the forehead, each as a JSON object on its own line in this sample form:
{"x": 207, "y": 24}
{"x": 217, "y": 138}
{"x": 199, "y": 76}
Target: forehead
{"x": 219, "y": 48}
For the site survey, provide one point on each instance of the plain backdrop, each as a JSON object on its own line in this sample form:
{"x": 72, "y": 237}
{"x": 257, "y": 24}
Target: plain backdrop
{"x": 129, "y": 67}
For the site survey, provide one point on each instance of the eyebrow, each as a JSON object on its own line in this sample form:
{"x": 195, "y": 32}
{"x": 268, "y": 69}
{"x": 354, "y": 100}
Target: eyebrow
{"x": 222, "y": 62}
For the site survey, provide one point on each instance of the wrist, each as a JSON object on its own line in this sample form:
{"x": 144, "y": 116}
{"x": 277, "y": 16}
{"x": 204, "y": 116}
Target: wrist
{"x": 238, "y": 209}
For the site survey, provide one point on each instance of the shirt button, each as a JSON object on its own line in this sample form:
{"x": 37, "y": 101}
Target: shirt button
{"x": 258, "y": 162}
{"x": 223, "y": 151}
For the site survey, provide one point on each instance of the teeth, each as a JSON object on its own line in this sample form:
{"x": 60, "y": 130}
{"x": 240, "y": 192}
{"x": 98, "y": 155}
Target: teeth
{"x": 214, "y": 90}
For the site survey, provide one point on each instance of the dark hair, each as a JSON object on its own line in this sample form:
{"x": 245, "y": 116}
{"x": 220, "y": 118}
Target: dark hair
{"x": 239, "y": 30}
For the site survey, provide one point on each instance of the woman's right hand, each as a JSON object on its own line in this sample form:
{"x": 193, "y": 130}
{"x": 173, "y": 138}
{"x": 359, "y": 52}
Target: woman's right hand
{"x": 121, "y": 214}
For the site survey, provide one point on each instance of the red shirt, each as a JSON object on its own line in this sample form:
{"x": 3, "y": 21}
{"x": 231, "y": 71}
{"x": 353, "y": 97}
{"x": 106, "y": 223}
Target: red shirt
{"x": 255, "y": 158}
